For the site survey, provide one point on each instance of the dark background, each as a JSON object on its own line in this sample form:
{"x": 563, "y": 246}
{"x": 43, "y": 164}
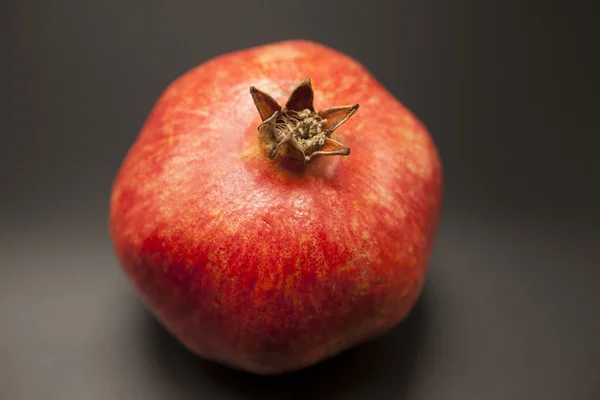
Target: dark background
{"x": 509, "y": 91}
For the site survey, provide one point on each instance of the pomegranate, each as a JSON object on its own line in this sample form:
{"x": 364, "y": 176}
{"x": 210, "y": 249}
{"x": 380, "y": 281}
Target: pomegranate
{"x": 266, "y": 220}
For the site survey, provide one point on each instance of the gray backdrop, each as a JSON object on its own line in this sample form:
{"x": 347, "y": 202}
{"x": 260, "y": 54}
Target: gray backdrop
{"x": 509, "y": 91}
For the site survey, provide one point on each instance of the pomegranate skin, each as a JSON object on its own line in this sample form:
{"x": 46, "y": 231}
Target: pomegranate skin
{"x": 257, "y": 267}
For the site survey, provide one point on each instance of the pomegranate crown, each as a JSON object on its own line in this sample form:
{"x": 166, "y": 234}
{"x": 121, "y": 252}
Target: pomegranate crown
{"x": 297, "y": 130}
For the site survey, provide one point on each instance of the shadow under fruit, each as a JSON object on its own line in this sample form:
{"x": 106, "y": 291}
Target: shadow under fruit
{"x": 278, "y": 207}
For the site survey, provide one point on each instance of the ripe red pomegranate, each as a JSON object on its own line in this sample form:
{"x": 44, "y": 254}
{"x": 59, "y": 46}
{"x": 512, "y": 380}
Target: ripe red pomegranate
{"x": 248, "y": 234}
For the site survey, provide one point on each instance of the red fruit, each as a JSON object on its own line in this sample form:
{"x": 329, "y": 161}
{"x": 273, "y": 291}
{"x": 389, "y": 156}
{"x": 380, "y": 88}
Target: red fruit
{"x": 252, "y": 249}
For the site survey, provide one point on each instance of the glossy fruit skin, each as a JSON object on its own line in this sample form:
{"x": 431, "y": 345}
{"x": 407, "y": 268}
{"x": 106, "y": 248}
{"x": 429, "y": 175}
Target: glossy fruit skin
{"x": 259, "y": 268}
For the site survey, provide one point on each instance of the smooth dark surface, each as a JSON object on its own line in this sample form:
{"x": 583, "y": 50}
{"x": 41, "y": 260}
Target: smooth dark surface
{"x": 509, "y": 92}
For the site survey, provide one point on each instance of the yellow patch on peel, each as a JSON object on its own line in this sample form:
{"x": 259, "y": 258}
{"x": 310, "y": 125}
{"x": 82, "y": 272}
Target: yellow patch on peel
{"x": 399, "y": 212}
{"x": 372, "y": 197}
{"x": 409, "y": 119}
{"x": 222, "y": 74}
{"x": 373, "y": 101}
{"x": 252, "y": 150}
{"x": 277, "y": 53}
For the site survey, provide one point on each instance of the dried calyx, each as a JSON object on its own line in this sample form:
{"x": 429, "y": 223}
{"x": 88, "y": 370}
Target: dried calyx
{"x": 297, "y": 130}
